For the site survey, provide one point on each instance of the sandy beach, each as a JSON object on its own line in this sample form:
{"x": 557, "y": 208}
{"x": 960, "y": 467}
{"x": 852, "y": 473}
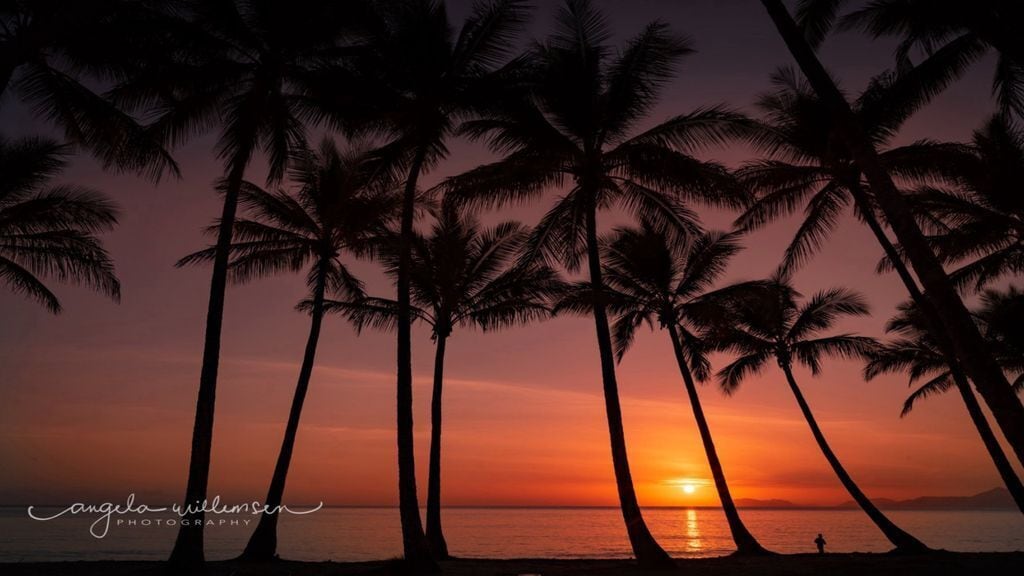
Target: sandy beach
{"x": 937, "y": 564}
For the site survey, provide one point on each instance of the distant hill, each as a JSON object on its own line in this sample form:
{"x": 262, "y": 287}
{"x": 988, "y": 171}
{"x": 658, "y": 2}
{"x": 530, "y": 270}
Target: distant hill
{"x": 755, "y": 503}
{"x": 994, "y": 499}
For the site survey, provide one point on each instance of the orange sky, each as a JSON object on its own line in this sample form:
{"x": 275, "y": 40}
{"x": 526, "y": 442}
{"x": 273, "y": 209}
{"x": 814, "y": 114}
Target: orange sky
{"x": 98, "y": 403}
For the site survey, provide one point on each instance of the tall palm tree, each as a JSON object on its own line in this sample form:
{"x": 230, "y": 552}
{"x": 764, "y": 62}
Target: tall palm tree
{"x": 969, "y": 29}
{"x": 977, "y": 222}
{"x": 965, "y": 340}
{"x": 807, "y": 165}
{"x": 915, "y": 353}
{"x": 418, "y": 79}
{"x": 652, "y": 279}
{"x": 53, "y": 55}
{"x": 49, "y": 231}
{"x": 777, "y": 326}
{"x": 577, "y": 122}
{"x": 339, "y": 205}
{"x": 462, "y": 276}
{"x": 248, "y": 68}
{"x": 810, "y": 166}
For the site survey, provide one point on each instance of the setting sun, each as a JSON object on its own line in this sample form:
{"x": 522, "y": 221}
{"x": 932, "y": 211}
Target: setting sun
{"x": 689, "y": 488}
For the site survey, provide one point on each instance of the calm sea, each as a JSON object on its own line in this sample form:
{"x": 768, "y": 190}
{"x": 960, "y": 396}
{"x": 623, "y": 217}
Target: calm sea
{"x": 353, "y": 534}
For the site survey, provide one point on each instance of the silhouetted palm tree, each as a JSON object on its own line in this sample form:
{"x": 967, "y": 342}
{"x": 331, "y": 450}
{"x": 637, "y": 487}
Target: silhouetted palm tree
{"x": 916, "y": 353}
{"x": 339, "y": 206}
{"x": 53, "y": 54}
{"x": 777, "y": 326}
{"x": 247, "y": 68}
{"x": 461, "y": 276}
{"x": 578, "y": 122}
{"x": 418, "y": 79}
{"x": 965, "y": 340}
{"x": 809, "y": 167}
{"x": 49, "y": 231}
{"x": 940, "y": 28}
{"x": 977, "y": 224}
{"x": 1001, "y": 318}
{"x": 652, "y": 279}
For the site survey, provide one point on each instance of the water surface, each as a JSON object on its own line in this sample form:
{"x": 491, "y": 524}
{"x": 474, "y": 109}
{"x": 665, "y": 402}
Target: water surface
{"x": 354, "y": 534}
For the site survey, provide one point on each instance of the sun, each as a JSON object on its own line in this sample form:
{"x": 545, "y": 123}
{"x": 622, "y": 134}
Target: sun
{"x": 689, "y": 488}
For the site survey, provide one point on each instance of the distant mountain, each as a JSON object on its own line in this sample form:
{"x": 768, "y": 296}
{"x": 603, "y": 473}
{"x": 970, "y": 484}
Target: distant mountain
{"x": 994, "y": 499}
{"x": 755, "y": 503}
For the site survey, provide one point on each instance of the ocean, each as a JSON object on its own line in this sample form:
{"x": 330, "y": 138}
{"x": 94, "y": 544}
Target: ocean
{"x": 356, "y": 534}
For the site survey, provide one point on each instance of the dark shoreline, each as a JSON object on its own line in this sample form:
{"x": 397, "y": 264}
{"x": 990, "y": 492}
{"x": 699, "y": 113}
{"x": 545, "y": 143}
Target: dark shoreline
{"x": 938, "y": 563}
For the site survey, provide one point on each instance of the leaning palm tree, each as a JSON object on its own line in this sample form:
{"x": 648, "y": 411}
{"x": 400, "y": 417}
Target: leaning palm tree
{"x": 340, "y": 204}
{"x": 577, "y": 120}
{"x": 652, "y": 279}
{"x": 49, "y": 231}
{"x": 965, "y": 340}
{"x": 916, "y": 353}
{"x": 969, "y": 30}
{"x": 808, "y": 167}
{"x": 463, "y": 276}
{"x": 247, "y": 68}
{"x": 776, "y": 326}
{"x": 53, "y": 54}
{"x": 418, "y": 79}
{"x": 976, "y": 217}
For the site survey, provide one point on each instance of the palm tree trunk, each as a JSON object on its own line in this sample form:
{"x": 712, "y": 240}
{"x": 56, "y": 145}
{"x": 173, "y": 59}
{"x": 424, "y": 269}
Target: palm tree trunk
{"x": 967, "y": 343}
{"x": 939, "y": 334}
{"x": 262, "y": 544}
{"x": 647, "y": 551}
{"x": 188, "y": 547}
{"x": 988, "y": 437}
{"x": 903, "y": 541}
{"x": 746, "y": 544}
{"x": 414, "y": 542}
{"x": 435, "y": 536}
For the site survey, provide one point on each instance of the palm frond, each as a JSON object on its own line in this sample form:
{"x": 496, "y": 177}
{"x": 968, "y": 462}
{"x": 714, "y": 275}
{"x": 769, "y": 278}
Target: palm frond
{"x": 733, "y": 374}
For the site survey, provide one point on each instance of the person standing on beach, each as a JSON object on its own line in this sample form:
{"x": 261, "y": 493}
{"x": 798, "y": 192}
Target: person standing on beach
{"x": 820, "y": 543}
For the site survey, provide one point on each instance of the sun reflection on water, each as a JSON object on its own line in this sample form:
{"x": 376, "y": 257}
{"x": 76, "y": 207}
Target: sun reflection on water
{"x": 693, "y": 542}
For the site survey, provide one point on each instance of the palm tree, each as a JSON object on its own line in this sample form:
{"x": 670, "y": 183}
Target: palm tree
{"x": 809, "y": 166}
{"x": 965, "y": 340}
{"x": 777, "y": 326}
{"x": 249, "y": 68}
{"x": 576, "y": 120}
{"x": 49, "y": 231}
{"x": 52, "y": 54}
{"x": 1001, "y": 317}
{"x": 944, "y": 27}
{"x": 418, "y": 79}
{"x": 339, "y": 205}
{"x": 650, "y": 278}
{"x": 462, "y": 276}
{"x": 978, "y": 224}
{"x": 915, "y": 352}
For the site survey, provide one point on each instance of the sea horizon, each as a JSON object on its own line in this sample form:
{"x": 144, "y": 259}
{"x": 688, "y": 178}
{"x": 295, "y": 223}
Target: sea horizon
{"x": 359, "y": 534}
{"x": 998, "y": 499}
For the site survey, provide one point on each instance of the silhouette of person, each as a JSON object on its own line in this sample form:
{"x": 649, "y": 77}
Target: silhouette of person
{"x": 820, "y": 543}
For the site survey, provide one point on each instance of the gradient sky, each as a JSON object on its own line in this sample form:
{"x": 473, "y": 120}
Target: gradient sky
{"x": 98, "y": 402}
